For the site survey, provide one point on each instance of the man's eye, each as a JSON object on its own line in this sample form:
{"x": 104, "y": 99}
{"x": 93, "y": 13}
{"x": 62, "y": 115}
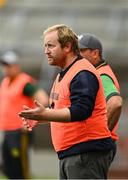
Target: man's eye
{"x": 50, "y": 45}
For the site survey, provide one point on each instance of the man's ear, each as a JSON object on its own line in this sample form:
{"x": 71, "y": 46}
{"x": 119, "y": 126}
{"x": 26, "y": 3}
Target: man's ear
{"x": 96, "y": 53}
{"x": 68, "y": 47}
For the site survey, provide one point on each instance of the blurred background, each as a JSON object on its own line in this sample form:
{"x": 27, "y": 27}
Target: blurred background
{"x": 21, "y": 26}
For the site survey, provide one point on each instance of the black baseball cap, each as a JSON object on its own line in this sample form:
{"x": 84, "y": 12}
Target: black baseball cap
{"x": 9, "y": 58}
{"x": 89, "y": 41}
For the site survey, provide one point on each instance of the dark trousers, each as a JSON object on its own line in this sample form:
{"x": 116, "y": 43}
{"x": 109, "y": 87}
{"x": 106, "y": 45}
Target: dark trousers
{"x": 90, "y": 165}
{"x": 15, "y": 154}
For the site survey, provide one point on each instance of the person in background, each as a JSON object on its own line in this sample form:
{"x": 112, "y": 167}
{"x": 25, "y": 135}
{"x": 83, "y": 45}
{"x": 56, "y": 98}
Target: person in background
{"x": 78, "y": 117}
{"x": 17, "y": 88}
{"x": 91, "y": 49}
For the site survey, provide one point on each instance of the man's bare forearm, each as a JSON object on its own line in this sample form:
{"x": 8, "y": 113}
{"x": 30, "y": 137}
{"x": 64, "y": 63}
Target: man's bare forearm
{"x": 114, "y": 106}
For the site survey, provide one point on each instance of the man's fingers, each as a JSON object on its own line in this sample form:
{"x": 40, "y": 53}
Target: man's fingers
{"x": 25, "y": 112}
{"x": 26, "y": 107}
{"x": 37, "y": 103}
{"x": 30, "y": 129}
{"x": 26, "y": 124}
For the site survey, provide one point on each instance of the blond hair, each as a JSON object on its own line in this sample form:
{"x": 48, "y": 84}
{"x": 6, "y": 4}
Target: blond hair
{"x": 65, "y": 34}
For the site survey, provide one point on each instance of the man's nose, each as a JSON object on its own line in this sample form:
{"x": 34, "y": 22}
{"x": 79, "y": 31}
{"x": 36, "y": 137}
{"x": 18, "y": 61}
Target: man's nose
{"x": 46, "y": 50}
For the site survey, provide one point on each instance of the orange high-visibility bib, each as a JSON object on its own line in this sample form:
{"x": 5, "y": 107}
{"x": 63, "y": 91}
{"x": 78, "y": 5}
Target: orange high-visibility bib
{"x": 65, "y": 135}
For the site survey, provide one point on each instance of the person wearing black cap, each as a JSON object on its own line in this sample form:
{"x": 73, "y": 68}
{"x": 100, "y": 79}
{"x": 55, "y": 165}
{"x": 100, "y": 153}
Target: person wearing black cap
{"x": 91, "y": 49}
{"x": 17, "y": 88}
